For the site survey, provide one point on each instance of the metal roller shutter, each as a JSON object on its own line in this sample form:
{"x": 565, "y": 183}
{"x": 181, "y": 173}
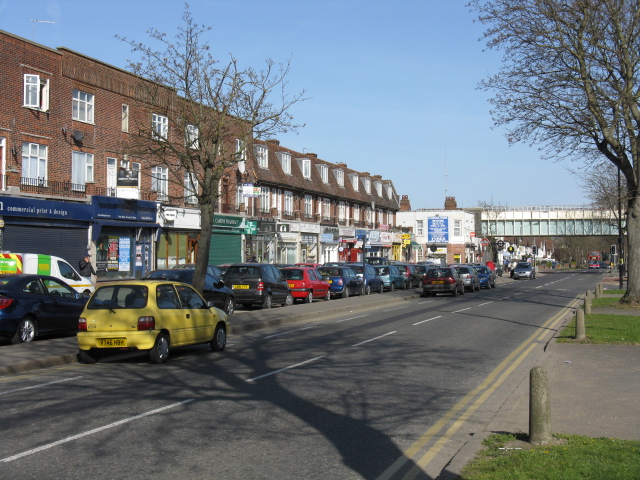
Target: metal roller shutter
{"x": 67, "y": 243}
{"x": 225, "y": 248}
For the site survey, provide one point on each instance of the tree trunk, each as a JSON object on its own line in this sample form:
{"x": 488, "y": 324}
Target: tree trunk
{"x": 632, "y": 266}
{"x": 204, "y": 244}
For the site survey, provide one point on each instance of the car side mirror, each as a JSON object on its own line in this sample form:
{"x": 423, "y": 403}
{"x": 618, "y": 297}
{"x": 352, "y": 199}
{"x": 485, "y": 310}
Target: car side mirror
{"x": 220, "y": 284}
{"x": 209, "y": 304}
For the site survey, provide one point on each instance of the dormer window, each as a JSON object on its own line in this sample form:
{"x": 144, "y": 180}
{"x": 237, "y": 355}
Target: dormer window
{"x": 367, "y": 184}
{"x": 262, "y": 156}
{"x": 285, "y": 161}
{"x": 389, "y": 192}
{"x": 306, "y": 168}
{"x": 340, "y": 177}
{"x": 354, "y": 181}
{"x": 378, "y": 188}
{"x": 324, "y": 173}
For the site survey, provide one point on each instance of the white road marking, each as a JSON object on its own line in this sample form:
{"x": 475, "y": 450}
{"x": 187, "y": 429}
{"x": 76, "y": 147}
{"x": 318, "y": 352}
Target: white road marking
{"x": 428, "y": 320}
{"x": 352, "y": 318}
{"x": 372, "y": 339}
{"x": 468, "y": 308}
{"x": 485, "y": 303}
{"x": 422, "y": 303}
{"x": 289, "y": 331}
{"x": 285, "y": 368}
{"x": 39, "y": 385}
{"x": 397, "y": 308}
{"x": 91, "y": 432}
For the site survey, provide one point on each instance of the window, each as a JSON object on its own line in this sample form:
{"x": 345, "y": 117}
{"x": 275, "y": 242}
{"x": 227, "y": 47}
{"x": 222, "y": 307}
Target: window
{"x": 125, "y": 118}
{"x": 191, "y": 135}
{"x": 308, "y": 206}
{"x": 241, "y": 152}
{"x": 326, "y": 208}
{"x": 324, "y": 173}
{"x": 34, "y": 164}
{"x": 306, "y": 168}
{"x": 367, "y": 184}
{"x": 457, "y": 228}
{"x": 288, "y": 203}
{"x": 389, "y": 192}
{"x": 81, "y": 170}
{"x": 340, "y": 178}
{"x": 190, "y": 188}
{"x": 264, "y": 199}
{"x": 159, "y": 127}
{"x": 354, "y": 182}
{"x": 420, "y": 228}
{"x": 378, "y": 188}
{"x": 367, "y": 215}
{"x": 262, "y": 156}
{"x": 285, "y": 159}
{"x": 356, "y": 213}
{"x": 36, "y": 92}
{"x": 342, "y": 208}
{"x": 82, "y": 108}
{"x": 160, "y": 182}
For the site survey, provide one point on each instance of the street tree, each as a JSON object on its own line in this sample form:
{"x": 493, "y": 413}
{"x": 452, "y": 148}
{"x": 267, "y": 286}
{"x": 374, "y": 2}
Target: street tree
{"x": 202, "y": 115}
{"x": 569, "y": 84}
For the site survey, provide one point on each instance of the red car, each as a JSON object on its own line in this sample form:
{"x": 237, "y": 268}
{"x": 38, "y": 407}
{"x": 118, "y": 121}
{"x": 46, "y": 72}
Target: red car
{"x": 306, "y": 283}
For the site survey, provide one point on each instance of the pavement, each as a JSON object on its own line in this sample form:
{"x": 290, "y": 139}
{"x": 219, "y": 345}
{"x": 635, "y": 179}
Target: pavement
{"x": 594, "y": 390}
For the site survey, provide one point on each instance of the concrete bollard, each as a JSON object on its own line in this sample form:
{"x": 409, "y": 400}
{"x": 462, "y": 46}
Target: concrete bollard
{"x": 539, "y": 408}
{"x": 581, "y": 333}
{"x": 598, "y": 292}
{"x": 587, "y": 306}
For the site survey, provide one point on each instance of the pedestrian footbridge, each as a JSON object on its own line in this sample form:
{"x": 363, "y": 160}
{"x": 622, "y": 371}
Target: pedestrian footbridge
{"x": 567, "y": 220}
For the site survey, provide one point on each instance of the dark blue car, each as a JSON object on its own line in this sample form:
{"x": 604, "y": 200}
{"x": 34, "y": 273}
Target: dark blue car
{"x": 372, "y": 281}
{"x": 37, "y": 305}
{"x": 343, "y": 281}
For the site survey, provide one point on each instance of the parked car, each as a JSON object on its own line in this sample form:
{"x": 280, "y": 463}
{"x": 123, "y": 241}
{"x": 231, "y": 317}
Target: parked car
{"x": 258, "y": 284}
{"x": 377, "y": 260}
{"x": 214, "y": 289}
{"x": 343, "y": 280}
{"x": 442, "y": 280}
{"x": 306, "y": 283}
{"x": 309, "y": 264}
{"x": 211, "y": 269}
{"x": 32, "y": 306}
{"x": 390, "y": 276}
{"x": 150, "y": 315}
{"x": 412, "y": 274}
{"x": 524, "y": 270}
{"x": 469, "y": 277}
{"x": 372, "y": 282}
{"x": 486, "y": 276}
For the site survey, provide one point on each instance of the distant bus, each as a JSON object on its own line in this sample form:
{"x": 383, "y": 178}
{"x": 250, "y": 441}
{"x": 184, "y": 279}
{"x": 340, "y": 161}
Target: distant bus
{"x": 594, "y": 259}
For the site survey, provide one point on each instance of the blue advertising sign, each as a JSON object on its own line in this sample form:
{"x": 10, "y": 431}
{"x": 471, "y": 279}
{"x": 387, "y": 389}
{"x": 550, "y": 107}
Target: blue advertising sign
{"x": 30, "y": 207}
{"x": 114, "y": 208}
{"x": 438, "y": 230}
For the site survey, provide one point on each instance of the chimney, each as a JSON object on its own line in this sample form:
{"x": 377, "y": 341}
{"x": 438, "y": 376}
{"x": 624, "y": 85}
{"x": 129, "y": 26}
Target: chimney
{"x": 405, "y": 204}
{"x": 450, "y": 203}
{"x": 313, "y": 155}
{"x": 273, "y": 140}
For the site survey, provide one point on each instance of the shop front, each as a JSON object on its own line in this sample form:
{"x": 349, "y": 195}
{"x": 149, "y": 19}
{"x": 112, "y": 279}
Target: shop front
{"x": 124, "y": 232}
{"x": 30, "y": 225}
{"x": 178, "y": 240}
{"x": 262, "y": 245}
{"x": 227, "y": 239}
{"x": 309, "y": 233}
{"x": 329, "y": 244}
{"x": 347, "y": 241}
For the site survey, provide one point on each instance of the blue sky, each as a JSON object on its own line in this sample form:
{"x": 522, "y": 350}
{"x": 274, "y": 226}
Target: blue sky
{"x": 391, "y": 84}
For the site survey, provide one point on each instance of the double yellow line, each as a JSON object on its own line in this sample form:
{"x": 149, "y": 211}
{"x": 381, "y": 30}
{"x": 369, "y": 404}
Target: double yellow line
{"x": 462, "y": 410}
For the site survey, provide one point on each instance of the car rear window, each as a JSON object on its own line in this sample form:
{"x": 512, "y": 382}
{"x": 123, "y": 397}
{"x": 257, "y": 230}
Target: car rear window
{"x": 119, "y": 296}
{"x": 242, "y": 271}
{"x": 293, "y": 274}
{"x": 438, "y": 273}
{"x": 332, "y": 272}
{"x": 382, "y": 270}
{"x": 462, "y": 270}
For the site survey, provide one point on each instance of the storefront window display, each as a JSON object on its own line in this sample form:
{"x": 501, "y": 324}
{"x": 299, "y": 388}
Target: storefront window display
{"x": 175, "y": 248}
{"x": 114, "y": 256}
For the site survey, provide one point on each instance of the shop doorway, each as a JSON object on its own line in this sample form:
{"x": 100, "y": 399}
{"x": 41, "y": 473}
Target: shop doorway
{"x": 142, "y": 262}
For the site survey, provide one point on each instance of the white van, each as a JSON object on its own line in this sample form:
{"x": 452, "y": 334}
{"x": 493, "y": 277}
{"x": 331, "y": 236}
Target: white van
{"x": 45, "y": 265}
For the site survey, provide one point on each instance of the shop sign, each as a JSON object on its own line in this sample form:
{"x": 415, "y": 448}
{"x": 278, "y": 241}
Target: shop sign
{"x": 228, "y": 221}
{"x": 283, "y": 227}
{"x": 308, "y": 239}
{"x": 249, "y": 190}
{"x": 250, "y": 227}
{"x": 266, "y": 226}
{"x": 397, "y": 237}
{"x": 438, "y": 230}
{"x": 114, "y": 208}
{"x": 346, "y": 231}
{"x": 327, "y": 238}
{"x": 27, "y": 207}
{"x": 386, "y": 237}
{"x": 374, "y": 236}
{"x": 287, "y": 237}
{"x": 305, "y": 227}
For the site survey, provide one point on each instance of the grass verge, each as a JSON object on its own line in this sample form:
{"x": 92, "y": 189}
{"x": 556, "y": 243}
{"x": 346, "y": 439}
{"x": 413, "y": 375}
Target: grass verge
{"x": 509, "y": 457}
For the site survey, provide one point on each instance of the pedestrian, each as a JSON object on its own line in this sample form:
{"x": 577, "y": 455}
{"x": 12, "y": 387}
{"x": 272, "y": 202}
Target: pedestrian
{"x": 85, "y": 267}
{"x": 253, "y": 260}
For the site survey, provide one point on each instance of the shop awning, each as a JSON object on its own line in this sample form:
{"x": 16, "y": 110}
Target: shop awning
{"x": 416, "y": 245}
{"x": 98, "y": 224}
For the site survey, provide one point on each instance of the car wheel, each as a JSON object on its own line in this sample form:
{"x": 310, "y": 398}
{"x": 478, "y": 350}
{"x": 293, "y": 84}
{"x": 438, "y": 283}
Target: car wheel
{"x": 345, "y": 294}
{"x": 493, "y": 285}
{"x": 266, "y": 303}
{"x": 392, "y": 287}
{"x": 454, "y": 293}
{"x": 367, "y": 289}
{"x": 288, "y": 301}
{"x": 404, "y": 286}
{"x": 160, "y": 351}
{"x": 462, "y": 290}
{"x": 89, "y": 356}
{"x": 309, "y": 298}
{"x": 327, "y": 297}
{"x": 420, "y": 284}
{"x": 426, "y": 294}
{"x": 219, "y": 340}
{"x": 229, "y": 306}
{"x": 26, "y": 331}
{"x": 381, "y": 288}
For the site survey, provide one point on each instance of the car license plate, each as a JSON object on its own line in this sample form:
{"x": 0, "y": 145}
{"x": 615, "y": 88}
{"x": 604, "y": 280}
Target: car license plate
{"x": 291, "y": 285}
{"x": 438, "y": 282}
{"x": 112, "y": 342}
{"x": 329, "y": 281}
{"x": 241, "y": 287}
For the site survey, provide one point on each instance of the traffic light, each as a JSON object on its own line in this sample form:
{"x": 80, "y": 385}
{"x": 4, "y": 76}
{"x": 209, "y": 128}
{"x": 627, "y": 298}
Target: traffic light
{"x": 534, "y": 249}
{"x": 613, "y": 250}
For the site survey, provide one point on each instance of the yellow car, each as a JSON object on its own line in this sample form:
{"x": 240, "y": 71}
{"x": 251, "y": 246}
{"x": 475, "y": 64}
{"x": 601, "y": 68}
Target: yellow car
{"x": 153, "y": 315}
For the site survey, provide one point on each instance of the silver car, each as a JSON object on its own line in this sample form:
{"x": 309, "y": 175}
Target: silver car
{"x": 469, "y": 278}
{"x": 524, "y": 270}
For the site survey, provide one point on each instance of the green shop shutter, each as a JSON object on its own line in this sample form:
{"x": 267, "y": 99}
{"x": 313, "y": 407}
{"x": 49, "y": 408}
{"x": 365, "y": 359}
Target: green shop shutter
{"x": 225, "y": 248}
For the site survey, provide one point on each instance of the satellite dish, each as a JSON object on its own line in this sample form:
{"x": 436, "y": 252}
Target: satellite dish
{"x": 241, "y": 166}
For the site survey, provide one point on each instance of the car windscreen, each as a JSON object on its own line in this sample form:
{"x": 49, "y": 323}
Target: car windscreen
{"x": 119, "y": 296}
{"x": 523, "y": 265}
{"x": 356, "y": 268}
{"x": 177, "y": 275}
